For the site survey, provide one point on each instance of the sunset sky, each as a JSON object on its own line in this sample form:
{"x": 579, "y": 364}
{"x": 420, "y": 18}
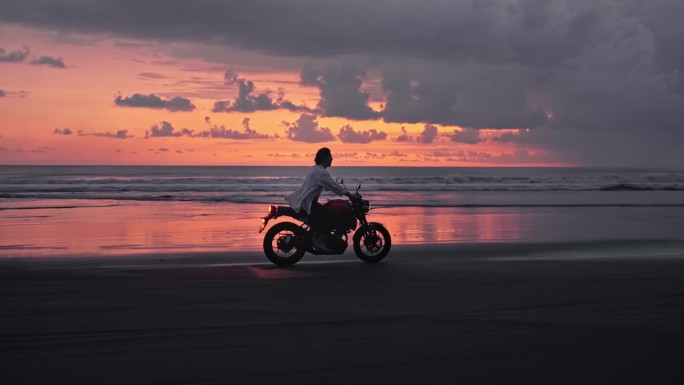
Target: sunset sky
{"x": 391, "y": 82}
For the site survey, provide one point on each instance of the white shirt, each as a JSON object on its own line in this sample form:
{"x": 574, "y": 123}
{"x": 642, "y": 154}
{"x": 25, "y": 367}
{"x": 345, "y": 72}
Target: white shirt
{"x": 316, "y": 180}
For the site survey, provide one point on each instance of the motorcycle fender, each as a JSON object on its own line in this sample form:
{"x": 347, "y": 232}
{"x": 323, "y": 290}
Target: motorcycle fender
{"x": 373, "y": 226}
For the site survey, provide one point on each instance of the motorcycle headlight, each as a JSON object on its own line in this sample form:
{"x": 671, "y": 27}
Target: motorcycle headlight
{"x": 366, "y": 206}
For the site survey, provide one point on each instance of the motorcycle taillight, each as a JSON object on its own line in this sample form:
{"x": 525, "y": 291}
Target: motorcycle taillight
{"x": 272, "y": 209}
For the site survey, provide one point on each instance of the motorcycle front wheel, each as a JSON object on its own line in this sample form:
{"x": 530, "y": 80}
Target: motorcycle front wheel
{"x": 283, "y": 244}
{"x": 372, "y": 243}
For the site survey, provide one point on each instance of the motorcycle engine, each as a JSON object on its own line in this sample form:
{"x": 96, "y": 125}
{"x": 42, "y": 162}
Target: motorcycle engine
{"x": 336, "y": 242}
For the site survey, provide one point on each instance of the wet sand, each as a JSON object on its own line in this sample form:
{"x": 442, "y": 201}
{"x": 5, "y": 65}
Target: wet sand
{"x": 571, "y": 312}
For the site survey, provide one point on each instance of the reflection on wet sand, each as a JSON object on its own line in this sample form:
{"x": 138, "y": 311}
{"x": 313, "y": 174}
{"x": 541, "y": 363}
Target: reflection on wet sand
{"x": 165, "y": 226}
{"x": 445, "y": 225}
{"x": 145, "y": 227}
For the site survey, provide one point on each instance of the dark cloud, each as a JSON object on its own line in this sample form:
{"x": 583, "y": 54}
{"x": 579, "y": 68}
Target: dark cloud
{"x": 472, "y": 95}
{"x": 576, "y": 71}
{"x": 246, "y": 102}
{"x": 60, "y": 131}
{"x": 224, "y": 133}
{"x": 119, "y": 134}
{"x": 166, "y": 129}
{"x": 48, "y": 61}
{"x": 340, "y": 91}
{"x": 2, "y": 94}
{"x": 520, "y": 137}
{"x": 152, "y": 75}
{"x": 429, "y": 134}
{"x": 465, "y": 135}
{"x": 306, "y": 129}
{"x": 14, "y": 56}
{"x": 404, "y": 137}
{"x": 156, "y": 102}
{"x": 279, "y": 155}
{"x": 347, "y": 134}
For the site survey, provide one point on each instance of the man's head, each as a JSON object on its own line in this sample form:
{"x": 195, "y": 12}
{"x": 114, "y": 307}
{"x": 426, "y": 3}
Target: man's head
{"x": 324, "y": 157}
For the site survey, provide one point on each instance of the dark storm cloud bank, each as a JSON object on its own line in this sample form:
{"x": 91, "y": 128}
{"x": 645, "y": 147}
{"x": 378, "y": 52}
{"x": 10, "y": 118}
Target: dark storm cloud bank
{"x": 602, "y": 78}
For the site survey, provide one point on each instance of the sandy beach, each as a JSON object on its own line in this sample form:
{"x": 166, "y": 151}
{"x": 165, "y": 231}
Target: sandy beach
{"x": 575, "y": 312}
{"x": 174, "y": 293}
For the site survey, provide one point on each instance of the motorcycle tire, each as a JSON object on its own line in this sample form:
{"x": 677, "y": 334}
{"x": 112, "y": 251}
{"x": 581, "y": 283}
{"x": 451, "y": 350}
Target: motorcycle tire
{"x": 282, "y": 244}
{"x": 372, "y": 243}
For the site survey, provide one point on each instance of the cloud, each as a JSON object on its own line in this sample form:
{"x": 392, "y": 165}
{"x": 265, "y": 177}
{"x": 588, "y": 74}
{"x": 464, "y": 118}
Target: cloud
{"x": 14, "y": 56}
{"x": 340, "y": 91}
{"x": 522, "y": 136}
{"x": 152, "y": 76}
{"x": 119, "y": 134}
{"x": 465, "y": 135}
{"x": 576, "y": 72}
{"x": 347, "y": 134}
{"x": 428, "y": 135}
{"x": 404, "y": 137}
{"x": 223, "y": 133}
{"x": 48, "y": 61}
{"x": 306, "y": 129}
{"x": 60, "y": 131}
{"x": 165, "y": 130}
{"x": 246, "y": 102}
{"x": 463, "y": 94}
{"x": 2, "y": 94}
{"x": 156, "y": 102}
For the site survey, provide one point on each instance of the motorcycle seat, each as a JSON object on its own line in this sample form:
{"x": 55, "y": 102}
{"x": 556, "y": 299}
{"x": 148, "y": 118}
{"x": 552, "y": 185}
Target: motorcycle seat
{"x": 290, "y": 212}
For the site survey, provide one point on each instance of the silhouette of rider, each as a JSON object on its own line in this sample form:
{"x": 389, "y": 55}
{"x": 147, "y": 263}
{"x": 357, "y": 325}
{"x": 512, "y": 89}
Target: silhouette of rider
{"x": 306, "y": 197}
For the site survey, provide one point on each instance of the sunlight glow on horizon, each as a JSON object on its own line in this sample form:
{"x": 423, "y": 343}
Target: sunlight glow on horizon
{"x": 80, "y": 100}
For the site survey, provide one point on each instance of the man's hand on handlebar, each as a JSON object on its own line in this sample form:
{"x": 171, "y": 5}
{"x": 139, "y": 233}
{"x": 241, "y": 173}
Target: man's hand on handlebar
{"x": 352, "y": 195}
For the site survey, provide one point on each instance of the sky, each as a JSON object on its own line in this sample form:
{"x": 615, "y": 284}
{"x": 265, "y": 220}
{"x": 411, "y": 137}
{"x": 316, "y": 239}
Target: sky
{"x": 380, "y": 82}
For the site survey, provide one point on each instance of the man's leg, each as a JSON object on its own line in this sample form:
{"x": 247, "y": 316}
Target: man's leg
{"x": 318, "y": 222}
{"x": 317, "y": 218}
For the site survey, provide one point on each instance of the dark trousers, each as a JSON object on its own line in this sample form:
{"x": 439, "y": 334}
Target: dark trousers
{"x": 318, "y": 219}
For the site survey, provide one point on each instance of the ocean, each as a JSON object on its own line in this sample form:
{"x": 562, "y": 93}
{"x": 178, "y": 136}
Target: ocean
{"x": 86, "y": 211}
{"x": 388, "y": 186}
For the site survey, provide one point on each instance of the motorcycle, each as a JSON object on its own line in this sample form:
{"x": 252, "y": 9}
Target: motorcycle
{"x": 286, "y": 243}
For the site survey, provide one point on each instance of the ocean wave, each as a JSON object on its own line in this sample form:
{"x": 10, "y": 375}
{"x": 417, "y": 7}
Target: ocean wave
{"x": 391, "y": 186}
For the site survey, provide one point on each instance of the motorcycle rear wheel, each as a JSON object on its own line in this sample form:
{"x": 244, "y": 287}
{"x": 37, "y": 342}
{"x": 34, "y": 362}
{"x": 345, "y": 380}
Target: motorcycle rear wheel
{"x": 282, "y": 244}
{"x": 372, "y": 243}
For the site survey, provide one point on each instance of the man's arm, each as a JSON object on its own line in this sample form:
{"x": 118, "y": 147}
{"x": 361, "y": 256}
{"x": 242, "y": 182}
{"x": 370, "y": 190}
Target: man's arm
{"x": 329, "y": 184}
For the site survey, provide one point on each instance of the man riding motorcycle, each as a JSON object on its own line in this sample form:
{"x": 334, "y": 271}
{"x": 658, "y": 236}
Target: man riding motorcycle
{"x": 306, "y": 197}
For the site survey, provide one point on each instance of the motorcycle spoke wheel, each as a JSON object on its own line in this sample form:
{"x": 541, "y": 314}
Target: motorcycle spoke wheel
{"x": 372, "y": 243}
{"x": 282, "y": 244}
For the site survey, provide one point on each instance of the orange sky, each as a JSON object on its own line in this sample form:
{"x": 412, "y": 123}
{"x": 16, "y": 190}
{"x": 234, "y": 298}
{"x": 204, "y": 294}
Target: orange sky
{"x": 41, "y": 103}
